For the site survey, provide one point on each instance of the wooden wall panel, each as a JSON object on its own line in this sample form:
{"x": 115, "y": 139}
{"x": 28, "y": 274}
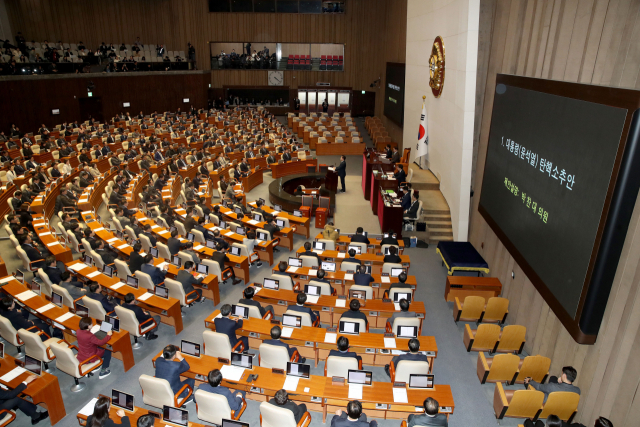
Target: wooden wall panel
{"x": 593, "y": 42}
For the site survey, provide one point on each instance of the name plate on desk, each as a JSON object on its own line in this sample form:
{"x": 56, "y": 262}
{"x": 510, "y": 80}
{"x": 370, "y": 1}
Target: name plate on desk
{"x": 389, "y": 335}
{"x": 337, "y": 381}
{"x": 201, "y": 377}
{"x": 420, "y": 316}
{"x": 383, "y": 406}
{"x": 386, "y": 300}
{"x": 373, "y": 313}
{"x": 253, "y": 335}
{"x": 369, "y": 350}
{"x": 375, "y": 285}
{"x": 275, "y": 322}
{"x": 338, "y": 282}
{"x": 445, "y": 409}
{"x": 316, "y": 399}
{"x": 400, "y": 384}
{"x": 326, "y": 308}
{"x": 204, "y": 286}
{"x": 430, "y": 353}
{"x": 223, "y": 360}
{"x": 332, "y": 330}
{"x": 277, "y": 371}
{"x": 308, "y": 344}
{"x": 282, "y": 302}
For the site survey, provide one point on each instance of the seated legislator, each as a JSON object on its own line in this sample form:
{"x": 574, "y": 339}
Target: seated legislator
{"x": 19, "y": 317}
{"x": 157, "y": 275}
{"x": 412, "y": 212}
{"x": 309, "y": 252}
{"x": 276, "y": 333}
{"x": 299, "y": 307}
{"x": 343, "y": 350}
{"x": 170, "y": 366}
{"x": 187, "y": 280}
{"x": 401, "y": 175}
{"x": 250, "y": 242}
{"x": 320, "y": 277}
{"x": 142, "y": 316}
{"x": 354, "y": 312}
{"x": 353, "y": 417}
{"x": 393, "y": 256}
{"x": 249, "y": 292}
{"x": 90, "y": 347}
{"x": 227, "y": 326}
{"x": 135, "y": 259}
{"x": 9, "y": 400}
{"x": 361, "y": 277}
{"x": 359, "y": 237}
{"x": 213, "y": 386}
{"x": 404, "y": 312}
{"x": 174, "y": 244}
{"x": 564, "y": 383}
{"x": 431, "y": 417}
{"x": 414, "y": 355}
{"x": 392, "y": 240}
{"x": 352, "y": 257}
{"x": 100, "y": 416}
{"x": 281, "y": 399}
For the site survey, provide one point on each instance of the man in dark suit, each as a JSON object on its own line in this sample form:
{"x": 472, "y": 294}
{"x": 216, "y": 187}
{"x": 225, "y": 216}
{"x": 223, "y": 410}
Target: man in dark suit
{"x": 431, "y": 417}
{"x": 276, "y": 333}
{"x": 287, "y": 155}
{"x": 354, "y": 312}
{"x": 401, "y": 175}
{"x": 271, "y": 226}
{"x": 343, "y": 350}
{"x": 174, "y": 243}
{"x": 135, "y": 259}
{"x": 62, "y": 278}
{"x": 32, "y": 252}
{"x": 281, "y": 399}
{"x": 412, "y": 212}
{"x": 564, "y": 383}
{"x": 213, "y": 386}
{"x": 309, "y": 252}
{"x": 391, "y": 240}
{"x": 352, "y": 418}
{"x": 190, "y": 222}
{"x": 413, "y": 355}
{"x": 9, "y": 400}
{"x": 341, "y": 170}
{"x": 299, "y": 307}
{"x": 185, "y": 277}
{"x": 248, "y": 300}
{"x": 158, "y": 156}
{"x": 393, "y": 256}
{"x": 225, "y": 325}
{"x": 95, "y": 293}
{"x": 141, "y": 315}
{"x": 19, "y": 318}
{"x": 359, "y": 237}
{"x": 406, "y": 198}
{"x": 352, "y": 257}
{"x": 147, "y": 232}
{"x": 170, "y": 366}
{"x": 156, "y": 274}
{"x": 107, "y": 255}
{"x": 271, "y": 159}
{"x": 395, "y": 157}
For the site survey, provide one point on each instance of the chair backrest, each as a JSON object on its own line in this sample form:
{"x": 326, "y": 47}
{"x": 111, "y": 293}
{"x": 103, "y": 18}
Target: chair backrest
{"x": 503, "y": 367}
{"x": 146, "y": 243}
{"x": 362, "y": 246}
{"x": 562, "y": 404}
{"x": 180, "y": 226}
{"x": 24, "y": 258}
{"x": 97, "y": 259}
{"x": 309, "y": 261}
{"x": 156, "y": 391}
{"x": 273, "y": 356}
{"x": 361, "y": 322}
{"x": 74, "y": 242}
{"x": 405, "y": 321}
{"x": 198, "y": 236}
{"x": 496, "y": 309}
{"x": 383, "y": 248}
{"x": 216, "y": 344}
{"x": 348, "y": 266}
{"x": 253, "y": 311}
{"x": 408, "y": 367}
{"x": 212, "y": 407}
{"x": 486, "y": 336}
{"x": 525, "y": 404}
{"x": 45, "y": 286}
{"x": 285, "y": 282}
{"x": 329, "y": 244}
{"x": 96, "y": 310}
{"x": 214, "y": 267}
{"x": 128, "y": 320}
{"x": 536, "y": 367}
{"x": 339, "y": 366}
{"x": 512, "y": 338}
{"x": 387, "y": 266}
{"x": 393, "y": 291}
{"x": 184, "y": 257}
{"x": 66, "y": 298}
{"x": 8, "y": 332}
{"x": 130, "y": 232}
{"x": 305, "y": 317}
{"x": 123, "y": 269}
{"x": 472, "y": 308}
{"x": 175, "y": 290}
{"x": 66, "y": 360}
{"x": 325, "y": 288}
{"x": 275, "y": 416}
{"x": 33, "y": 345}
{"x": 163, "y": 250}
{"x": 144, "y": 280}
{"x": 244, "y": 250}
{"x": 368, "y": 290}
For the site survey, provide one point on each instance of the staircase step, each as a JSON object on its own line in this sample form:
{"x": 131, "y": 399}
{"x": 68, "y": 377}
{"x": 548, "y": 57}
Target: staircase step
{"x": 424, "y": 186}
{"x": 436, "y": 212}
{"x": 436, "y": 218}
{"x": 438, "y": 232}
{"x": 433, "y": 240}
{"x": 432, "y": 225}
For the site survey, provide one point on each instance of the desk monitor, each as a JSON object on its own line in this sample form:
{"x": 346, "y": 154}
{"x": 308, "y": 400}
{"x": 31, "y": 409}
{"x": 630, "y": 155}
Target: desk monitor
{"x": 232, "y": 423}
{"x": 115, "y": 322}
{"x": 359, "y": 377}
{"x": 386, "y": 235}
{"x": 355, "y": 248}
{"x": 263, "y": 236}
{"x": 122, "y": 400}
{"x": 237, "y": 210}
{"x": 297, "y": 213}
{"x": 175, "y": 415}
{"x": 211, "y": 244}
{"x": 280, "y": 223}
{"x": 132, "y": 281}
{"x": 56, "y": 298}
{"x": 235, "y": 250}
{"x": 295, "y": 262}
{"x": 402, "y": 295}
{"x": 33, "y": 365}
{"x": 242, "y": 360}
{"x": 82, "y": 310}
{"x": 257, "y": 217}
{"x": 190, "y": 348}
{"x": 319, "y": 246}
{"x": 107, "y": 270}
{"x": 420, "y": 381}
{"x": 35, "y": 287}
{"x": 367, "y": 269}
{"x": 264, "y": 202}
{"x": 222, "y": 224}
{"x": 191, "y": 237}
{"x": 271, "y": 284}
{"x": 301, "y": 370}
{"x": 329, "y": 267}
{"x": 1, "y": 350}
{"x": 277, "y": 208}
{"x": 161, "y": 292}
{"x": 357, "y": 294}
{"x": 291, "y": 320}
{"x": 225, "y": 203}
{"x": 407, "y": 331}
{"x": 387, "y": 251}
{"x": 88, "y": 260}
{"x": 349, "y": 327}
{"x": 203, "y": 269}
{"x": 395, "y": 272}
{"x": 312, "y": 290}
{"x": 120, "y": 235}
{"x": 241, "y": 231}
{"x": 19, "y": 276}
{"x": 240, "y": 311}
{"x": 175, "y": 260}
{"x": 153, "y": 252}
{"x": 171, "y": 229}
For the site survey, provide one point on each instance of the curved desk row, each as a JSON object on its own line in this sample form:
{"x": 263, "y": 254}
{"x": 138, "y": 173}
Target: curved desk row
{"x": 375, "y": 261}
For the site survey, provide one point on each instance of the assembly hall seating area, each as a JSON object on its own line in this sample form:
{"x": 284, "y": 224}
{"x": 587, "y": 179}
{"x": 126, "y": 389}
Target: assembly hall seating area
{"x": 322, "y": 132}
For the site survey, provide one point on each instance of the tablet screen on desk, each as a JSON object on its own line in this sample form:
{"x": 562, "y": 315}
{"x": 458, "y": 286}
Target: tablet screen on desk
{"x": 355, "y": 248}
{"x": 264, "y": 236}
{"x": 161, "y": 292}
{"x": 115, "y": 322}
{"x": 359, "y": 377}
{"x": 290, "y": 320}
{"x": 242, "y": 360}
{"x": 402, "y": 295}
{"x": 271, "y": 284}
{"x": 295, "y": 262}
{"x": 420, "y": 381}
{"x": 241, "y": 231}
{"x": 122, "y": 400}
{"x": 231, "y": 423}
{"x": 107, "y": 270}
{"x": 1, "y": 350}
{"x": 19, "y": 276}
{"x": 88, "y": 260}
{"x": 222, "y": 224}
{"x": 191, "y": 237}
{"x": 279, "y": 223}
{"x": 329, "y": 266}
{"x": 175, "y": 415}
{"x": 319, "y": 246}
{"x": 33, "y": 365}
{"x": 132, "y": 281}
{"x": 56, "y": 299}
{"x": 82, "y": 310}
{"x": 190, "y": 348}
{"x": 176, "y": 261}
{"x": 349, "y": 327}
{"x": 297, "y": 213}
{"x": 235, "y": 250}
{"x": 211, "y": 244}
{"x": 311, "y": 290}
{"x": 240, "y": 311}
{"x": 298, "y": 369}
{"x": 153, "y": 252}
{"x": 277, "y": 208}
{"x": 407, "y": 331}
{"x": 203, "y": 269}
{"x": 395, "y": 272}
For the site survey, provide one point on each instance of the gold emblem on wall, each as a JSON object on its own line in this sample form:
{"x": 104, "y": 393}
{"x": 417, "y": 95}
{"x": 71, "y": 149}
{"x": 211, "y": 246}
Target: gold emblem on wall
{"x": 436, "y": 67}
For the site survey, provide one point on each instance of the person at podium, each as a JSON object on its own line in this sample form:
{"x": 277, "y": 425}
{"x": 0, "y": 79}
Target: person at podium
{"x": 341, "y": 170}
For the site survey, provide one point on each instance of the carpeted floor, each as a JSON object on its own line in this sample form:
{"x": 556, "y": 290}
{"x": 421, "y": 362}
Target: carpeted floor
{"x": 453, "y": 366}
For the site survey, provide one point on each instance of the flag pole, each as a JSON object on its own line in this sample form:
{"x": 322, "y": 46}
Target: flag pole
{"x": 424, "y": 97}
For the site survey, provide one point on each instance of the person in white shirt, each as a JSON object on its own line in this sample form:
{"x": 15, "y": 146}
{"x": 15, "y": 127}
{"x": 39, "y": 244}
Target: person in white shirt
{"x": 250, "y": 241}
{"x": 66, "y": 167}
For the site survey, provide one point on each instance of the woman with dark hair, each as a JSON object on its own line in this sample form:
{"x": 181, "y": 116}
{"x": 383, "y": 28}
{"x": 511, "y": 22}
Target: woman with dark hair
{"x": 90, "y": 347}
{"x": 100, "y": 416}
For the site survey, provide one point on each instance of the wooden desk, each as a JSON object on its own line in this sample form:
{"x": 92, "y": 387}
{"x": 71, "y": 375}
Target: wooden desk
{"x": 48, "y": 238}
{"x": 291, "y": 168}
{"x": 253, "y": 180}
{"x": 302, "y": 224}
{"x": 44, "y": 391}
{"x": 379, "y": 184}
{"x": 285, "y": 234}
{"x": 463, "y": 286}
{"x": 373, "y": 247}
{"x": 119, "y": 344}
{"x": 367, "y": 168}
{"x": 389, "y": 215}
{"x": 258, "y": 161}
{"x": 375, "y": 261}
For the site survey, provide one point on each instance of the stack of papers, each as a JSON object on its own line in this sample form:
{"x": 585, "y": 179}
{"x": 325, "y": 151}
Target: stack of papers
{"x": 7, "y": 279}
{"x": 23, "y": 296}
{"x": 64, "y": 317}
{"x": 197, "y": 248}
{"x": 342, "y": 255}
{"x": 330, "y": 338}
{"x": 15, "y": 372}
{"x": 94, "y": 274}
{"x": 348, "y": 276}
{"x": 88, "y": 409}
{"x": 292, "y": 269}
{"x": 52, "y": 244}
{"x": 341, "y": 303}
{"x": 385, "y": 279}
{"x": 162, "y": 265}
{"x": 45, "y": 234}
{"x": 313, "y": 272}
{"x": 121, "y": 247}
{"x": 145, "y": 296}
{"x": 78, "y": 266}
{"x": 400, "y": 395}
{"x": 355, "y": 391}
{"x": 313, "y": 299}
{"x": 286, "y": 332}
{"x": 113, "y": 239}
{"x": 253, "y": 222}
{"x": 117, "y": 285}
{"x": 291, "y": 383}
{"x": 396, "y": 306}
{"x": 389, "y": 343}
{"x": 45, "y": 308}
{"x": 231, "y": 373}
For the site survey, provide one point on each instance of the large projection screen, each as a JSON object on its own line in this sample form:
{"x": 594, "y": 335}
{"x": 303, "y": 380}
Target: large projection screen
{"x": 559, "y": 187}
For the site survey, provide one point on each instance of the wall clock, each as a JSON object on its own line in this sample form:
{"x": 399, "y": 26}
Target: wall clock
{"x": 276, "y": 78}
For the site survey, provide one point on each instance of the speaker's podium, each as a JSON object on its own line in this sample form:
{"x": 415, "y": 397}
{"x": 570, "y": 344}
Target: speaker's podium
{"x": 330, "y": 179}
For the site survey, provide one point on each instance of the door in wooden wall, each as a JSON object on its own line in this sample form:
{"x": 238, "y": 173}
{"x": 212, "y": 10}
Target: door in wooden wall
{"x": 91, "y": 108}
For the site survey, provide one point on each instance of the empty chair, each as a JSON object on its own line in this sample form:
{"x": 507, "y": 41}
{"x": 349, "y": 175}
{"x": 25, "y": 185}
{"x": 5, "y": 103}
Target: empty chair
{"x": 563, "y": 404}
{"x": 214, "y": 268}
{"x": 519, "y": 404}
{"x": 275, "y": 356}
{"x": 144, "y": 280}
{"x": 496, "y": 310}
{"x": 368, "y": 290}
{"x": 213, "y": 408}
{"x": 275, "y": 416}
{"x": 336, "y": 366}
{"x": 67, "y": 362}
{"x": 485, "y": 338}
{"x": 45, "y": 285}
{"x": 500, "y": 368}
{"x": 35, "y": 347}
{"x": 217, "y": 345}
{"x": 535, "y": 367}
{"x": 387, "y": 266}
{"x": 512, "y": 339}
{"x": 66, "y": 297}
{"x": 146, "y": 242}
{"x": 122, "y": 268}
{"x": 285, "y": 282}
{"x": 309, "y": 261}
{"x": 329, "y": 245}
{"x": 405, "y": 368}
{"x": 129, "y": 322}
{"x": 469, "y": 311}
{"x": 163, "y": 251}
{"x": 349, "y": 266}
{"x": 157, "y": 392}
